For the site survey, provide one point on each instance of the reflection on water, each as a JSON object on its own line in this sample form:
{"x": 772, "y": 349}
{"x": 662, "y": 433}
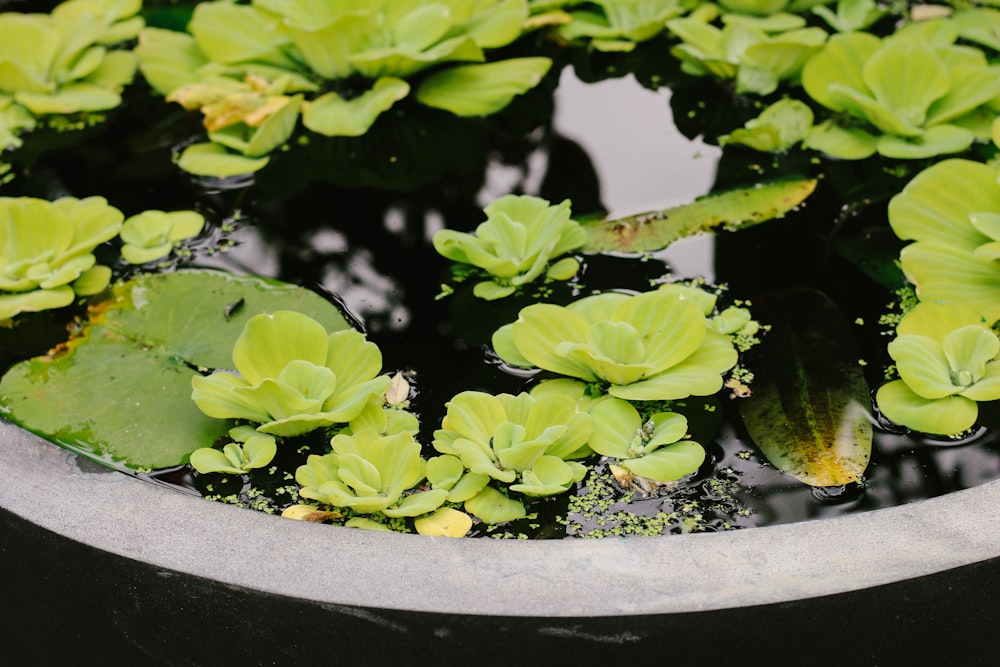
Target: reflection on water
{"x": 316, "y": 217}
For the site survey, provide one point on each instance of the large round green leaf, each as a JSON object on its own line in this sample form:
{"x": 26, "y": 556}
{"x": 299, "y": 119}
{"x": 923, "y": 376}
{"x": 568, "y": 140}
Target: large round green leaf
{"x": 120, "y": 391}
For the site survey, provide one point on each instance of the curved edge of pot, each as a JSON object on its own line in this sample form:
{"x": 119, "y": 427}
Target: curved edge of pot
{"x": 78, "y": 500}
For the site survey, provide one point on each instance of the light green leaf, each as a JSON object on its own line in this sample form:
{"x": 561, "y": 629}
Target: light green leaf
{"x": 481, "y": 90}
{"x": 331, "y": 115}
{"x": 668, "y": 463}
{"x": 943, "y": 416}
{"x": 491, "y": 506}
{"x": 209, "y": 159}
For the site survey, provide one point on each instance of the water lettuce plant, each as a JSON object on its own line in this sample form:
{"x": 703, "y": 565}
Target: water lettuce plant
{"x": 370, "y": 474}
{"x": 948, "y": 362}
{"x": 152, "y": 235}
{"x": 656, "y": 345}
{"x": 249, "y": 449}
{"x": 516, "y": 245}
{"x": 609, "y": 25}
{"x": 655, "y": 448}
{"x": 48, "y": 247}
{"x": 56, "y": 68}
{"x": 951, "y": 213}
{"x": 778, "y": 128}
{"x": 293, "y": 377}
{"x": 254, "y": 69}
{"x": 528, "y": 444}
{"x": 757, "y": 58}
{"x": 914, "y": 94}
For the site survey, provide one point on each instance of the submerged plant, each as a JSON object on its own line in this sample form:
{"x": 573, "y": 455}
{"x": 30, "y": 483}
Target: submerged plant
{"x": 948, "y": 362}
{"x": 951, "y": 212}
{"x": 48, "y": 251}
{"x": 516, "y": 245}
{"x": 253, "y": 69}
{"x": 64, "y": 63}
{"x": 915, "y": 94}
{"x": 293, "y": 376}
{"x": 370, "y": 474}
{"x": 657, "y": 345}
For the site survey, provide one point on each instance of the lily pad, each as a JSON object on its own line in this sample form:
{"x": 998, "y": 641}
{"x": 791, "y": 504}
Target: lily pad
{"x": 734, "y": 209}
{"x": 808, "y": 412}
{"x": 120, "y": 390}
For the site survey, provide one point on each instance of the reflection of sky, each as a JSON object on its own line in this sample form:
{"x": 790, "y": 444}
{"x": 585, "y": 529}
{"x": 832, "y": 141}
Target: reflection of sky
{"x": 643, "y": 161}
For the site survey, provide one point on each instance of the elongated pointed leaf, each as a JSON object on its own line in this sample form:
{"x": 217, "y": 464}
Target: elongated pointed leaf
{"x": 808, "y": 410}
{"x": 120, "y": 392}
{"x": 734, "y": 209}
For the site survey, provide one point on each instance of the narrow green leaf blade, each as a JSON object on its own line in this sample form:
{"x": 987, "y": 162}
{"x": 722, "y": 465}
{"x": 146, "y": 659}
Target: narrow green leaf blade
{"x": 808, "y": 412}
{"x": 735, "y": 209}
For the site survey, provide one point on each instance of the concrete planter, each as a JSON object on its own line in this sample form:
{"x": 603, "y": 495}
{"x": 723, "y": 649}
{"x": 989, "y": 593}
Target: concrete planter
{"x": 99, "y": 568}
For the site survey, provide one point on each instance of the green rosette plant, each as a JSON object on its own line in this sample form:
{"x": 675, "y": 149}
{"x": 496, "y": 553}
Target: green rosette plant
{"x": 915, "y": 94}
{"x": 248, "y": 450}
{"x": 370, "y": 474}
{"x": 528, "y": 444}
{"x": 656, "y": 345}
{"x": 951, "y": 212}
{"x": 778, "y": 128}
{"x": 48, "y": 251}
{"x": 654, "y": 449}
{"x": 152, "y": 235}
{"x": 255, "y": 69}
{"x": 851, "y": 15}
{"x": 516, "y": 245}
{"x": 610, "y": 25}
{"x": 948, "y": 362}
{"x": 293, "y": 377}
{"x": 757, "y": 56}
{"x": 64, "y": 69}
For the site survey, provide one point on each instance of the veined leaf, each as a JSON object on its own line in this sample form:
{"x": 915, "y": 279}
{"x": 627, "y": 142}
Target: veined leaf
{"x": 808, "y": 412}
{"x": 730, "y": 210}
{"x": 120, "y": 391}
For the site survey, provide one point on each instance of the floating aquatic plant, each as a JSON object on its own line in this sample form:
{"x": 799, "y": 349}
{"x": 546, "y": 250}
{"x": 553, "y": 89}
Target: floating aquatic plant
{"x": 756, "y": 56}
{"x": 850, "y": 15}
{"x": 778, "y": 128}
{"x": 609, "y": 25}
{"x": 293, "y": 376}
{"x": 915, "y": 94}
{"x": 152, "y": 235}
{"x": 254, "y": 69}
{"x": 370, "y": 474}
{"x": 654, "y": 449}
{"x": 64, "y": 64}
{"x": 948, "y": 362}
{"x": 250, "y": 449}
{"x": 48, "y": 251}
{"x": 951, "y": 212}
{"x": 528, "y": 444}
{"x": 516, "y": 245}
{"x": 657, "y": 345}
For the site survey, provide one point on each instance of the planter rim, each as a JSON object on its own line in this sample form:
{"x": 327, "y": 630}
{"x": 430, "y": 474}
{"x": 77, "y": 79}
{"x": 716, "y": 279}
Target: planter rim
{"x": 78, "y": 500}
